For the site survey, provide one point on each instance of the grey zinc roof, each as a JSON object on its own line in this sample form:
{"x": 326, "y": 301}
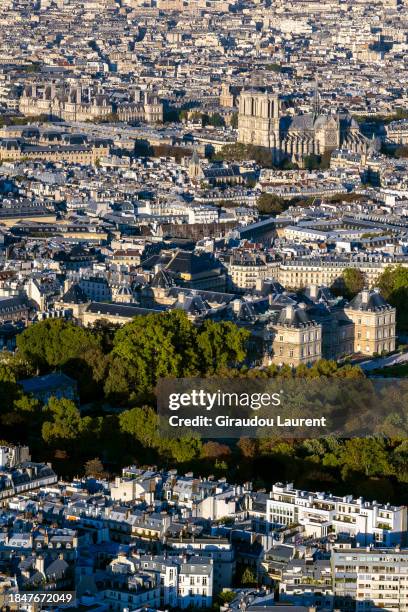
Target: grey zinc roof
{"x": 208, "y": 296}
{"x": 57, "y": 568}
{"x": 162, "y": 279}
{"x": 75, "y": 295}
{"x": 196, "y": 568}
{"x": 46, "y": 383}
{"x": 119, "y": 310}
{"x": 370, "y": 301}
{"x": 12, "y": 303}
{"x": 187, "y": 262}
{"x": 193, "y": 304}
{"x": 294, "y": 316}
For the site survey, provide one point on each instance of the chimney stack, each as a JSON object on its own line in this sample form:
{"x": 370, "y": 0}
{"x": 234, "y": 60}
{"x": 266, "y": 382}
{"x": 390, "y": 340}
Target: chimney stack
{"x": 40, "y": 564}
{"x": 289, "y": 310}
{"x": 365, "y": 294}
{"x": 236, "y": 306}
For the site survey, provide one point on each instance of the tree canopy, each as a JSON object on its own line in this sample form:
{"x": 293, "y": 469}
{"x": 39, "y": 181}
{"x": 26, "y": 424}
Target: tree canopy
{"x": 271, "y": 204}
{"x": 393, "y": 284}
{"x": 54, "y": 342}
{"x": 170, "y": 345}
{"x": 117, "y": 371}
{"x": 220, "y": 345}
{"x": 150, "y": 347}
{"x": 242, "y": 152}
{"x": 141, "y": 424}
{"x": 354, "y": 281}
{"x": 66, "y": 423}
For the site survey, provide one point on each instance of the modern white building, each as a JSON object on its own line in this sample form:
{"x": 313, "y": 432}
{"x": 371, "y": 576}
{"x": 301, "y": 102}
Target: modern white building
{"x": 352, "y": 580}
{"x": 372, "y": 578}
{"x": 322, "y": 513}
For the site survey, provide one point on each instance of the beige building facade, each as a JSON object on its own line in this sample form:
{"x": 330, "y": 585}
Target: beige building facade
{"x": 15, "y": 150}
{"x": 296, "y": 344}
{"x": 303, "y": 273}
{"x": 374, "y": 324}
{"x": 244, "y": 273}
{"x": 72, "y": 104}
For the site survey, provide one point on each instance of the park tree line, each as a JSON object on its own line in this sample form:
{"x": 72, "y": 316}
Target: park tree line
{"x": 123, "y": 365}
{"x": 117, "y": 370}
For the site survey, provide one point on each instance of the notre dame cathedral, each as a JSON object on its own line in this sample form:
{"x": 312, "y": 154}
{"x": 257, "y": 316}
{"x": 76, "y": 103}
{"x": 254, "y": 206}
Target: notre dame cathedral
{"x": 261, "y": 122}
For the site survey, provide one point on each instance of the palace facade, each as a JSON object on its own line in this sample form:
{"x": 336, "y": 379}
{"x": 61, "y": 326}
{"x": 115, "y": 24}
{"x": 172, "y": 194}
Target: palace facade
{"x": 84, "y": 104}
{"x": 68, "y": 104}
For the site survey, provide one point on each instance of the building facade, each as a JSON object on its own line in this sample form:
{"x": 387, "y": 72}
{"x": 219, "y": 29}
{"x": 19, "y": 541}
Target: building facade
{"x": 244, "y": 271}
{"x": 145, "y": 107}
{"x": 77, "y": 103}
{"x": 320, "y": 514}
{"x": 374, "y": 323}
{"x": 370, "y": 579}
{"x": 297, "y": 338}
{"x": 69, "y": 104}
{"x": 261, "y": 122}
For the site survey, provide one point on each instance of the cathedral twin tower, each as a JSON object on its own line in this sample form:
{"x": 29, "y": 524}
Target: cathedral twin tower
{"x": 259, "y": 119}
{"x": 262, "y": 123}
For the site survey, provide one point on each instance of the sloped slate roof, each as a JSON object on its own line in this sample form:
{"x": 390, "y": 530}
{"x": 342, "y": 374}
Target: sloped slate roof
{"x": 185, "y": 262}
{"x": 163, "y": 279}
{"x": 370, "y": 301}
{"x": 75, "y": 295}
{"x": 294, "y": 317}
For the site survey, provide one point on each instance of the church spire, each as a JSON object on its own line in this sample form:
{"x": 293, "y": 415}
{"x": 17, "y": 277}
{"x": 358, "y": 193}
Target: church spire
{"x": 194, "y": 166}
{"x": 316, "y": 101}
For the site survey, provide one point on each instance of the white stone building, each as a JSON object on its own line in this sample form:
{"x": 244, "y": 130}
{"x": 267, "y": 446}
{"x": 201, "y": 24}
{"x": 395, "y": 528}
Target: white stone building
{"x": 321, "y": 513}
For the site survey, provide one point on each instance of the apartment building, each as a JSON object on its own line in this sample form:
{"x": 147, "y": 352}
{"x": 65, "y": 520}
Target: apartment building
{"x": 134, "y": 486}
{"x": 131, "y": 593}
{"x": 14, "y": 308}
{"x": 370, "y": 579}
{"x": 320, "y": 513}
{"x": 203, "y": 214}
{"x": 302, "y": 273}
{"x": 195, "y": 584}
{"x": 305, "y": 581}
{"x": 397, "y": 132}
{"x": 219, "y": 550}
{"x": 246, "y": 270}
{"x": 17, "y": 150}
{"x": 95, "y": 288}
{"x": 168, "y": 571}
{"x": 25, "y": 477}
{"x": 183, "y": 584}
{"x": 11, "y": 456}
{"x": 352, "y": 580}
